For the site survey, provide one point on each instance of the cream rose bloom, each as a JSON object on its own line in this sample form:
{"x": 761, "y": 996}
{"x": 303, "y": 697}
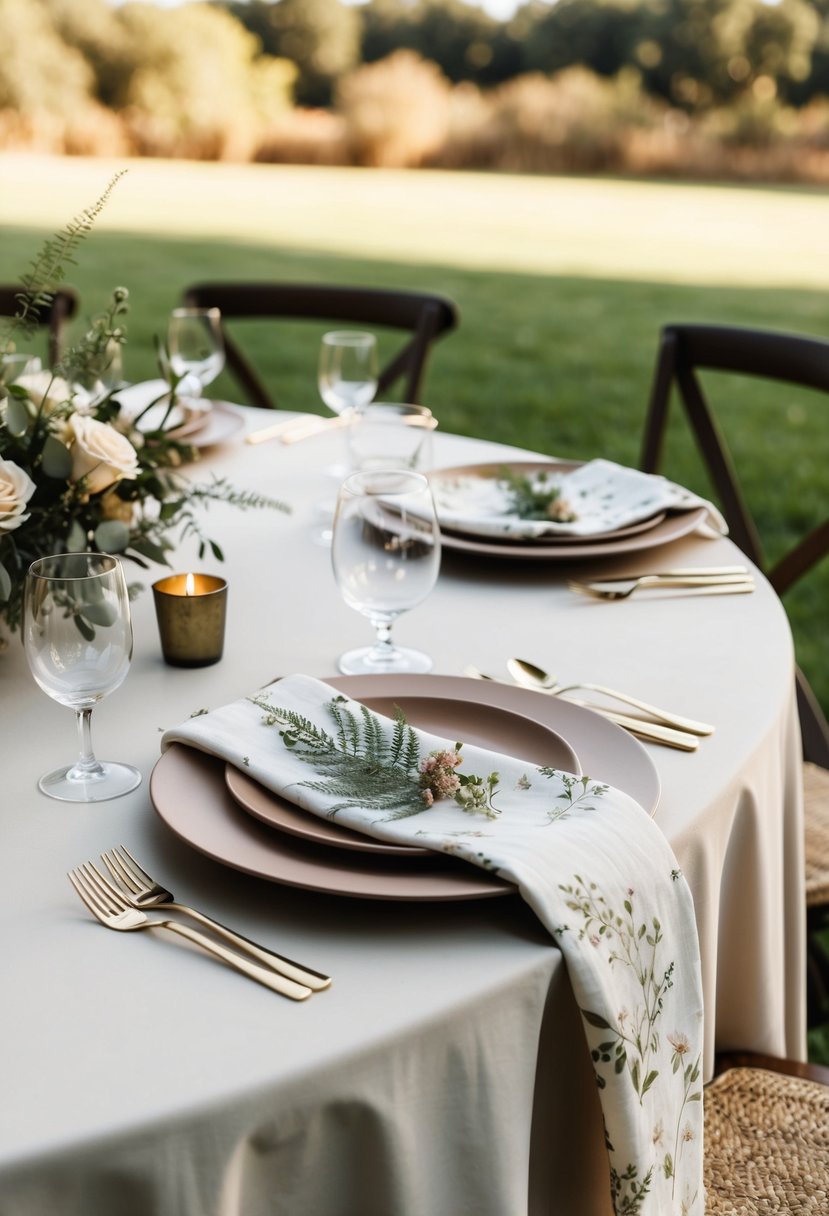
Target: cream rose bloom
{"x": 100, "y": 454}
{"x": 16, "y": 488}
{"x": 46, "y": 391}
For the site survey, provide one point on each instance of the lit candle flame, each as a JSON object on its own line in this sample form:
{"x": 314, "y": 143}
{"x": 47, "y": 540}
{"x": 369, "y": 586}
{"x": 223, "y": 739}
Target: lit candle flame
{"x": 189, "y": 585}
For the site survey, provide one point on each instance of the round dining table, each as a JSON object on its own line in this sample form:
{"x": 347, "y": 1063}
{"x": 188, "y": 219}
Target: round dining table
{"x": 445, "y": 1071}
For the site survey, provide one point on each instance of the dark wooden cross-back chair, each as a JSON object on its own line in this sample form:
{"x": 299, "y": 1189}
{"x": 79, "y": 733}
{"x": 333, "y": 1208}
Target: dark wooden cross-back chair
{"x": 684, "y": 351}
{"x": 425, "y": 316}
{"x": 53, "y": 318}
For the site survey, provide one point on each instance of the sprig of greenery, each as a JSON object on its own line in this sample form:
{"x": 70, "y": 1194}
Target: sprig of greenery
{"x": 92, "y": 354}
{"x": 48, "y": 269}
{"x": 359, "y": 763}
{"x": 534, "y": 497}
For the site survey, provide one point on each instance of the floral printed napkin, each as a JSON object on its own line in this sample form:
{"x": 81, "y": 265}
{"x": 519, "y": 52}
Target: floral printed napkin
{"x": 600, "y": 495}
{"x": 591, "y": 863}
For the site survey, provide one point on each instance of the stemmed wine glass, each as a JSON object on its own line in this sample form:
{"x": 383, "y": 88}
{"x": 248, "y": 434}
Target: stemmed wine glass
{"x": 386, "y": 555}
{"x": 347, "y": 382}
{"x": 195, "y": 344}
{"x": 347, "y": 376}
{"x": 78, "y": 641}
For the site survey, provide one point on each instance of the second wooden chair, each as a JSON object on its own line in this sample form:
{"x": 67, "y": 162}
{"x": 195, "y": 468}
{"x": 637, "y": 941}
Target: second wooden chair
{"x": 423, "y": 315}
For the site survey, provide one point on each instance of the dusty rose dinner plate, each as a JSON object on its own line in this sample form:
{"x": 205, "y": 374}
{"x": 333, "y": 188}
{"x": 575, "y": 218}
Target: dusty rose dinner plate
{"x": 482, "y": 725}
{"x": 188, "y": 791}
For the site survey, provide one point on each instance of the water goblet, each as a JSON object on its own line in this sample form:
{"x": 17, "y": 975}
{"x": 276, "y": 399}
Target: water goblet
{"x": 391, "y": 436}
{"x": 77, "y": 637}
{"x": 347, "y": 382}
{"x": 385, "y": 553}
{"x": 195, "y": 344}
{"x": 347, "y": 377}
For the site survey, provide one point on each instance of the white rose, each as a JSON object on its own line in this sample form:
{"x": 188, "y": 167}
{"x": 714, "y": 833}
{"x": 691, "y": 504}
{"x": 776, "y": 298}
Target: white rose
{"x": 100, "y": 454}
{"x": 16, "y": 488}
{"x": 46, "y": 391}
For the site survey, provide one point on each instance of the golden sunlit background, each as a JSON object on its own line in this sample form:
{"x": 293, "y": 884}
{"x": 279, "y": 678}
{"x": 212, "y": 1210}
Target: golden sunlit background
{"x": 693, "y": 88}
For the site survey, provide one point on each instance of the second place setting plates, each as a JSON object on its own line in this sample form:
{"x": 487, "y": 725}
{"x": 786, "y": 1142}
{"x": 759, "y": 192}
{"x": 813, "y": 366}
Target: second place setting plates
{"x": 191, "y": 791}
{"x": 617, "y": 510}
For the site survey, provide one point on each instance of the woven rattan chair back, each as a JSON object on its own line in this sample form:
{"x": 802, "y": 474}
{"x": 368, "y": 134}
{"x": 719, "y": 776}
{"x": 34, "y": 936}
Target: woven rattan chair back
{"x": 686, "y": 350}
{"x": 423, "y": 316}
{"x": 53, "y": 317}
{"x": 767, "y": 1139}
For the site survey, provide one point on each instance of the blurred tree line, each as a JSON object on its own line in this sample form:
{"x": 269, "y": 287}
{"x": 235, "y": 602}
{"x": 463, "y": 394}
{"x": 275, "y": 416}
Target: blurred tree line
{"x": 633, "y": 85}
{"x": 692, "y": 53}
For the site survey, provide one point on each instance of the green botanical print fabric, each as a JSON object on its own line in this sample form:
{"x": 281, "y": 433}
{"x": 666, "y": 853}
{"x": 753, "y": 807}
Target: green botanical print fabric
{"x": 590, "y": 862}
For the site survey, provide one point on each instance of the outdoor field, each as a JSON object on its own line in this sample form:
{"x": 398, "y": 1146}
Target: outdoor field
{"x": 562, "y": 286}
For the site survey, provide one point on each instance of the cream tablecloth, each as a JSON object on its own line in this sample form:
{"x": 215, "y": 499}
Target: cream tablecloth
{"x": 444, "y": 1073}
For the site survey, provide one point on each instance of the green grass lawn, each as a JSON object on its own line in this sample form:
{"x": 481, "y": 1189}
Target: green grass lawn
{"x": 562, "y": 285}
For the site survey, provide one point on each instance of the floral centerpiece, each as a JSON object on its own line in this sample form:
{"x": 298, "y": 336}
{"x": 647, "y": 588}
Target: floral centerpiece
{"x": 76, "y": 472}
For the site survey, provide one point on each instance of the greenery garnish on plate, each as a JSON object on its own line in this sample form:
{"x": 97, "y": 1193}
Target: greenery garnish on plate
{"x": 535, "y": 496}
{"x": 362, "y": 765}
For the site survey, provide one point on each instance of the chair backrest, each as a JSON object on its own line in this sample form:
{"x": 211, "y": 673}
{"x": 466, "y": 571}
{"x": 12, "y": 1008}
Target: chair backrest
{"x": 425, "y": 316}
{"x": 53, "y": 317}
{"x": 790, "y": 358}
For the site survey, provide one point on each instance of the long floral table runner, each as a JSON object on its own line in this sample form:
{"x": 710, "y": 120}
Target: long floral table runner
{"x": 591, "y": 863}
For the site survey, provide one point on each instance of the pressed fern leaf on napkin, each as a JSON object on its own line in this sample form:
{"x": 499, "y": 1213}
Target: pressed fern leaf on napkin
{"x": 360, "y": 763}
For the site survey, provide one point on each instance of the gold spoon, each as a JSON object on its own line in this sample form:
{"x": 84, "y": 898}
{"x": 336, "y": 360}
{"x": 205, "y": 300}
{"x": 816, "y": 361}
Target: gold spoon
{"x": 535, "y": 677}
{"x": 650, "y": 732}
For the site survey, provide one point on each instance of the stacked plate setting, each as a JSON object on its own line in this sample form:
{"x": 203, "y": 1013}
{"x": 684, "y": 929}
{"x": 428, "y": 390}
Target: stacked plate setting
{"x": 471, "y": 511}
{"x": 220, "y": 811}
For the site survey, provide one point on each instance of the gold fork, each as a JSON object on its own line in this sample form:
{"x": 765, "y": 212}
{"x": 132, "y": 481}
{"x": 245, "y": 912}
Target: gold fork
{"x": 724, "y": 584}
{"x": 109, "y": 907}
{"x": 140, "y": 890}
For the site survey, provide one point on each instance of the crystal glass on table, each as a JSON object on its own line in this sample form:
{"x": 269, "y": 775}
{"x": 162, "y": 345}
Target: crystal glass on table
{"x": 347, "y": 377}
{"x": 77, "y": 637}
{"x": 195, "y": 344}
{"x": 347, "y": 382}
{"x": 391, "y": 436}
{"x": 385, "y": 554}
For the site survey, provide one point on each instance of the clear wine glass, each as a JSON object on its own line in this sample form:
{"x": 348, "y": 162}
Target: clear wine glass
{"x": 195, "y": 344}
{"x": 386, "y": 555}
{"x": 347, "y": 382}
{"x": 78, "y": 640}
{"x": 347, "y": 376}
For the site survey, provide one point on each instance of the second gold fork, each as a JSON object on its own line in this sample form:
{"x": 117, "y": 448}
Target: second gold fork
{"x": 141, "y": 891}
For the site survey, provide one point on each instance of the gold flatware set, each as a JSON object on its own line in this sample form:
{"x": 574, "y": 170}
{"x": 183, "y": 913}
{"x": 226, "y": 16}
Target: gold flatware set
{"x": 535, "y": 677}
{"x": 648, "y": 731}
{"x": 704, "y": 580}
{"x": 652, "y": 724}
{"x": 120, "y": 905}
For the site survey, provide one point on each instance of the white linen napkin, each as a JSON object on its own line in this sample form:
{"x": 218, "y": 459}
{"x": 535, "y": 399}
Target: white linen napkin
{"x": 602, "y": 495}
{"x": 591, "y": 863}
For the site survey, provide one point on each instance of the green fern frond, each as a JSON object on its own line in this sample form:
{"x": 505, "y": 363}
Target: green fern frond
{"x": 48, "y": 268}
{"x": 361, "y": 765}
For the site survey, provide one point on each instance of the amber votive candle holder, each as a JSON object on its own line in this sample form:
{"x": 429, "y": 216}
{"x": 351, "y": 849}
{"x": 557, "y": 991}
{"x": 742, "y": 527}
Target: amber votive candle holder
{"x": 191, "y": 611}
